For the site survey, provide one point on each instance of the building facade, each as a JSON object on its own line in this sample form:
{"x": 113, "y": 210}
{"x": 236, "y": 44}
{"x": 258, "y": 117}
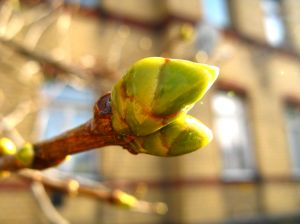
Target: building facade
{"x": 248, "y": 174}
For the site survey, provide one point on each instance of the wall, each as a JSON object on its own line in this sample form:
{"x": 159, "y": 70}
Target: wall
{"x": 191, "y": 184}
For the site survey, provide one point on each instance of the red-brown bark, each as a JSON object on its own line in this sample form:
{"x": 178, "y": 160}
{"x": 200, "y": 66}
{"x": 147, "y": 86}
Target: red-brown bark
{"x": 97, "y": 132}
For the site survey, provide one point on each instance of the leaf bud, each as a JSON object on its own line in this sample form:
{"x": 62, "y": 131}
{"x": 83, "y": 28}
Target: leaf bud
{"x": 7, "y": 147}
{"x": 156, "y": 91}
{"x": 182, "y": 136}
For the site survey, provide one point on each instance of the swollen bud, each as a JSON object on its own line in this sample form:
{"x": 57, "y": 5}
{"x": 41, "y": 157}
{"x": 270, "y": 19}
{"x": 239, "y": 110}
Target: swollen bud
{"x": 184, "y": 135}
{"x": 7, "y": 147}
{"x": 25, "y": 155}
{"x": 156, "y": 91}
{"x": 123, "y": 199}
{"x": 186, "y": 32}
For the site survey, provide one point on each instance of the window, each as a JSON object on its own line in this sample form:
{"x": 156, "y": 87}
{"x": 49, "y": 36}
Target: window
{"x": 216, "y": 13}
{"x": 292, "y": 115}
{"x": 274, "y": 26}
{"x": 232, "y": 134}
{"x": 86, "y": 3}
{"x": 66, "y": 108}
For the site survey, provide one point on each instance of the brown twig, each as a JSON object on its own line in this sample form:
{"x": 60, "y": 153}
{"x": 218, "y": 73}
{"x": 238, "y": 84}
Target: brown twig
{"x": 97, "y": 132}
{"x": 9, "y": 122}
{"x": 45, "y": 204}
{"x": 95, "y": 190}
{"x": 55, "y": 66}
{"x": 69, "y": 184}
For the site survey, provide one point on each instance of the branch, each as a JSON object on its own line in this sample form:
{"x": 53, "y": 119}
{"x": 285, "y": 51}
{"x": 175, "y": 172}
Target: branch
{"x": 97, "y": 132}
{"x": 68, "y": 184}
{"x": 9, "y": 122}
{"x": 17, "y": 116}
{"x": 56, "y": 66}
{"x": 45, "y": 204}
{"x": 159, "y": 127}
{"x": 95, "y": 190}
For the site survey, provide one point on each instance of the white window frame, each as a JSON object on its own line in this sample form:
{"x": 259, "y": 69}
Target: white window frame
{"x": 217, "y": 16}
{"x": 236, "y": 152}
{"x": 273, "y": 22}
{"x": 292, "y": 118}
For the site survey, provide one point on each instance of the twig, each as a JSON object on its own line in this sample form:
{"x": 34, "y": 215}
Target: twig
{"x": 19, "y": 113}
{"x": 97, "y": 132}
{"x": 9, "y": 122}
{"x": 95, "y": 190}
{"x": 45, "y": 204}
{"x": 69, "y": 184}
{"x": 6, "y": 126}
{"x": 54, "y": 65}
{"x": 42, "y": 58}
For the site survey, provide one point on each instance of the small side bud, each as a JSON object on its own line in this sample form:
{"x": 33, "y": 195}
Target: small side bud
{"x": 7, "y": 147}
{"x": 123, "y": 199}
{"x": 186, "y": 32}
{"x": 25, "y": 155}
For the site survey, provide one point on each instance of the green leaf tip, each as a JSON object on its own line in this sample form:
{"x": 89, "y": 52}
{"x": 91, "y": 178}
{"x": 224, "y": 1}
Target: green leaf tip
{"x": 157, "y": 92}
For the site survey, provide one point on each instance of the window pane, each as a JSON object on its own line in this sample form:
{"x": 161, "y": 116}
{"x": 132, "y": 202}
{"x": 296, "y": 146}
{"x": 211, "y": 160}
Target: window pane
{"x": 55, "y": 122}
{"x": 274, "y": 26}
{"x": 67, "y": 108}
{"x": 87, "y": 3}
{"x": 292, "y": 114}
{"x": 216, "y": 12}
{"x": 232, "y": 133}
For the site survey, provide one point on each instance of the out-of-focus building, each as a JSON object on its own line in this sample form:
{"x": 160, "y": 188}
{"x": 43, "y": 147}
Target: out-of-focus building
{"x": 248, "y": 174}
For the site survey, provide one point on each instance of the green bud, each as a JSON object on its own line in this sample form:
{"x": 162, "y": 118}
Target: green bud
{"x": 186, "y": 32}
{"x": 184, "y": 135}
{"x": 156, "y": 91}
{"x": 25, "y": 155}
{"x": 7, "y": 147}
{"x": 123, "y": 199}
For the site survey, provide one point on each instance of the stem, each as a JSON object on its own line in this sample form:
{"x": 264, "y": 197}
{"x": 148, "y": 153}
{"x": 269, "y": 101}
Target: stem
{"x": 93, "y": 190}
{"x": 97, "y": 132}
{"x": 44, "y": 202}
{"x": 76, "y": 140}
{"x": 57, "y": 66}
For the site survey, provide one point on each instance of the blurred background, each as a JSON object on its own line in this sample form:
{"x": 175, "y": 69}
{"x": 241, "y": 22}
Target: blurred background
{"x": 58, "y": 57}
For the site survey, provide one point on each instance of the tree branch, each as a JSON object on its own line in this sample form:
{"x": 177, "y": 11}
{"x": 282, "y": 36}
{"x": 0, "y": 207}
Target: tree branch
{"x": 97, "y": 132}
{"x": 45, "y": 204}
{"x": 68, "y": 184}
{"x": 10, "y": 121}
{"x": 95, "y": 190}
{"x": 56, "y": 66}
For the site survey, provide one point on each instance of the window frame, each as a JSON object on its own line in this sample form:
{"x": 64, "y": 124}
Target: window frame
{"x": 295, "y": 163}
{"x": 225, "y": 15}
{"x": 238, "y": 174}
{"x": 271, "y": 16}
{"x": 84, "y": 3}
